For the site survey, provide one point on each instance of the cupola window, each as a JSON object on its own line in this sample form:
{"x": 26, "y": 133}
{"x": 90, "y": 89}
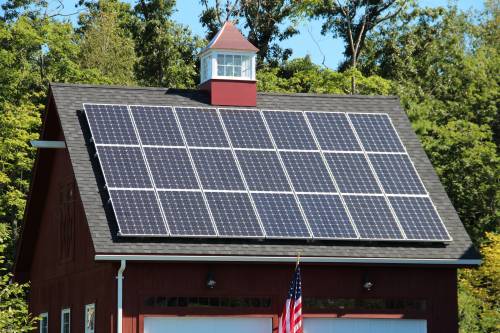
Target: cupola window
{"x": 234, "y": 65}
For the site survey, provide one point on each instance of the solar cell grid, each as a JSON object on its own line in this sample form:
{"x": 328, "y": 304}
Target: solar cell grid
{"x": 280, "y": 215}
{"x": 289, "y": 130}
{"x": 234, "y": 215}
{"x": 396, "y": 174}
{"x": 110, "y": 124}
{"x": 333, "y": 131}
{"x": 137, "y": 213}
{"x": 186, "y": 214}
{"x": 171, "y": 168}
{"x": 352, "y": 173}
{"x": 418, "y": 218}
{"x": 124, "y": 167}
{"x": 246, "y": 129}
{"x": 217, "y": 169}
{"x": 263, "y": 171}
{"x": 201, "y": 127}
{"x": 327, "y": 216}
{"x": 307, "y": 172}
{"x": 156, "y": 126}
{"x": 376, "y": 132}
{"x": 372, "y": 217}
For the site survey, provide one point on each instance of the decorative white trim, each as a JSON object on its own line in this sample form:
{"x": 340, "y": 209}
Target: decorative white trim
{"x": 291, "y": 259}
{"x": 47, "y": 144}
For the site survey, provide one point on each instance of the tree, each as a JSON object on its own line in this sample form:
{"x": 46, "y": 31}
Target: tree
{"x": 263, "y": 19}
{"x": 107, "y": 46}
{"x": 14, "y": 314}
{"x": 352, "y": 21}
{"x": 479, "y": 292}
{"x": 166, "y": 50}
{"x": 302, "y": 76}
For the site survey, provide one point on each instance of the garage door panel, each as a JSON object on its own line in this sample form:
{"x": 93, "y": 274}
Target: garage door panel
{"x": 328, "y": 325}
{"x": 207, "y": 325}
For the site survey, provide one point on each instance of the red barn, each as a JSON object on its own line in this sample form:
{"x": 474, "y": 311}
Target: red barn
{"x": 162, "y": 210}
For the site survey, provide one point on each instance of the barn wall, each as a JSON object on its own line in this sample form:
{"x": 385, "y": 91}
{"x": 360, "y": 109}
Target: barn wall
{"x": 231, "y": 92}
{"x": 63, "y": 272}
{"x": 436, "y": 286}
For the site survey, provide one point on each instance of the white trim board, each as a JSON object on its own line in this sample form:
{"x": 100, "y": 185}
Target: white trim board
{"x": 265, "y": 259}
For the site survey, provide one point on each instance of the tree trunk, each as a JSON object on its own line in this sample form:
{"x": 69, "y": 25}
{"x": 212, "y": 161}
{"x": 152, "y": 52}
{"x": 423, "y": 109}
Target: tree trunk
{"x": 353, "y": 77}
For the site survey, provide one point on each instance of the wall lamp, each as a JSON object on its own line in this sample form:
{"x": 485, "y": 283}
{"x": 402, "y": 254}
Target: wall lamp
{"x": 211, "y": 281}
{"x": 367, "y": 283}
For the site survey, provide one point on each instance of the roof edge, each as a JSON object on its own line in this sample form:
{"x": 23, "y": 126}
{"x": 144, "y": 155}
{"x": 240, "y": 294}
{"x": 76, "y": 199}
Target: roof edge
{"x": 267, "y": 259}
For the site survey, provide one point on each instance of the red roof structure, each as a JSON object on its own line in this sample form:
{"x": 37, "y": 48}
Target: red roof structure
{"x": 230, "y": 38}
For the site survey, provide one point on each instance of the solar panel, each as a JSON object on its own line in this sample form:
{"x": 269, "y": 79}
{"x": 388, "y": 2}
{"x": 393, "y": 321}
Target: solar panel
{"x": 171, "y": 168}
{"x": 333, "y": 131}
{"x": 217, "y": 169}
{"x": 352, "y": 173}
{"x": 234, "y": 215}
{"x": 246, "y": 129}
{"x": 124, "y": 167}
{"x": 156, "y": 125}
{"x": 201, "y": 127}
{"x": 388, "y": 166}
{"x": 280, "y": 215}
{"x": 263, "y": 171}
{"x": 327, "y": 217}
{"x": 419, "y": 218}
{"x": 186, "y": 213}
{"x": 137, "y": 213}
{"x": 110, "y": 124}
{"x": 376, "y": 132}
{"x": 203, "y": 172}
{"x": 289, "y": 130}
{"x": 307, "y": 172}
{"x": 372, "y": 217}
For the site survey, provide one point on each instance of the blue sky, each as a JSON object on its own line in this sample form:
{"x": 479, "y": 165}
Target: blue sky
{"x": 308, "y": 42}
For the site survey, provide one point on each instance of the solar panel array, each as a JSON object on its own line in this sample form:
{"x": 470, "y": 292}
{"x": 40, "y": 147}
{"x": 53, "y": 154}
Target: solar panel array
{"x": 234, "y": 173}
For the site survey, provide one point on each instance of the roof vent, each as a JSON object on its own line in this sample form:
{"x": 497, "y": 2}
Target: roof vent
{"x": 228, "y": 69}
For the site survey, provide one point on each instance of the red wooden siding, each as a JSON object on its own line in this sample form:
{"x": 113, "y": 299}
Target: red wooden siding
{"x": 231, "y": 92}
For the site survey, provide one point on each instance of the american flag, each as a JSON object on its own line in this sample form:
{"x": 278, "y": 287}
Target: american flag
{"x": 291, "y": 318}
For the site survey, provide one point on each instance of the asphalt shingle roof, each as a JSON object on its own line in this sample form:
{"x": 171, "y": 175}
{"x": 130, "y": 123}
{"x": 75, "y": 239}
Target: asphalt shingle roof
{"x": 69, "y": 99}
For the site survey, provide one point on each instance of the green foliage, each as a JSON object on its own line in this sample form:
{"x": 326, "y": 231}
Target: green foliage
{"x": 14, "y": 314}
{"x": 107, "y": 46}
{"x": 302, "y": 76}
{"x": 479, "y": 292}
{"x": 166, "y": 50}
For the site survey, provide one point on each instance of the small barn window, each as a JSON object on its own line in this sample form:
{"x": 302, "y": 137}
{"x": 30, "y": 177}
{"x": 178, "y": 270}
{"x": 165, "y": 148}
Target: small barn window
{"x": 65, "y": 320}
{"x": 234, "y": 65}
{"x": 90, "y": 318}
{"x": 44, "y": 323}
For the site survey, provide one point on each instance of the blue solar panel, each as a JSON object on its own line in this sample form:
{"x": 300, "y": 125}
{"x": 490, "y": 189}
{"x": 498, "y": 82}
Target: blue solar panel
{"x": 333, "y": 131}
{"x": 263, "y": 171}
{"x": 352, "y": 173}
{"x": 326, "y": 216}
{"x": 396, "y": 174}
{"x": 124, "y": 167}
{"x": 372, "y": 217}
{"x": 171, "y": 168}
{"x": 202, "y": 127}
{"x": 186, "y": 214}
{"x": 376, "y": 132}
{"x": 246, "y": 129}
{"x": 280, "y": 215}
{"x": 156, "y": 126}
{"x": 418, "y": 218}
{"x": 137, "y": 213}
{"x": 217, "y": 169}
{"x": 307, "y": 172}
{"x": 233, "y": 214}
{"x": 290, "y": 130}
{"x": 110, "y": 124}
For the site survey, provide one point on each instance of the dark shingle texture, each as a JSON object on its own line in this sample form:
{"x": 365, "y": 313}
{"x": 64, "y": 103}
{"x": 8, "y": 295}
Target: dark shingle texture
{"x": 69, "y": 100}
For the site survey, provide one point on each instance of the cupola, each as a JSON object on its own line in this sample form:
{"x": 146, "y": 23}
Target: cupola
{"x": 228, "y": 69}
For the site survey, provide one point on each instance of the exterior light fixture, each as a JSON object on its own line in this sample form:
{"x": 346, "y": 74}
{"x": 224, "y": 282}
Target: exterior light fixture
{"x": 367, "y": 283}
{"x": 211, "y": 281}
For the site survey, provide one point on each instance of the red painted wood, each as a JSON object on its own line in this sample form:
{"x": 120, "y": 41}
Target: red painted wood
{"x": 231, "y": 92}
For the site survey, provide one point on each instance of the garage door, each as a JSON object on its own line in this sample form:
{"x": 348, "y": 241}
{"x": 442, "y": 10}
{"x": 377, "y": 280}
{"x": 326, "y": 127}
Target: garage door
{"x": 327, "y": 325}
{"x": 206, "y": 325}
